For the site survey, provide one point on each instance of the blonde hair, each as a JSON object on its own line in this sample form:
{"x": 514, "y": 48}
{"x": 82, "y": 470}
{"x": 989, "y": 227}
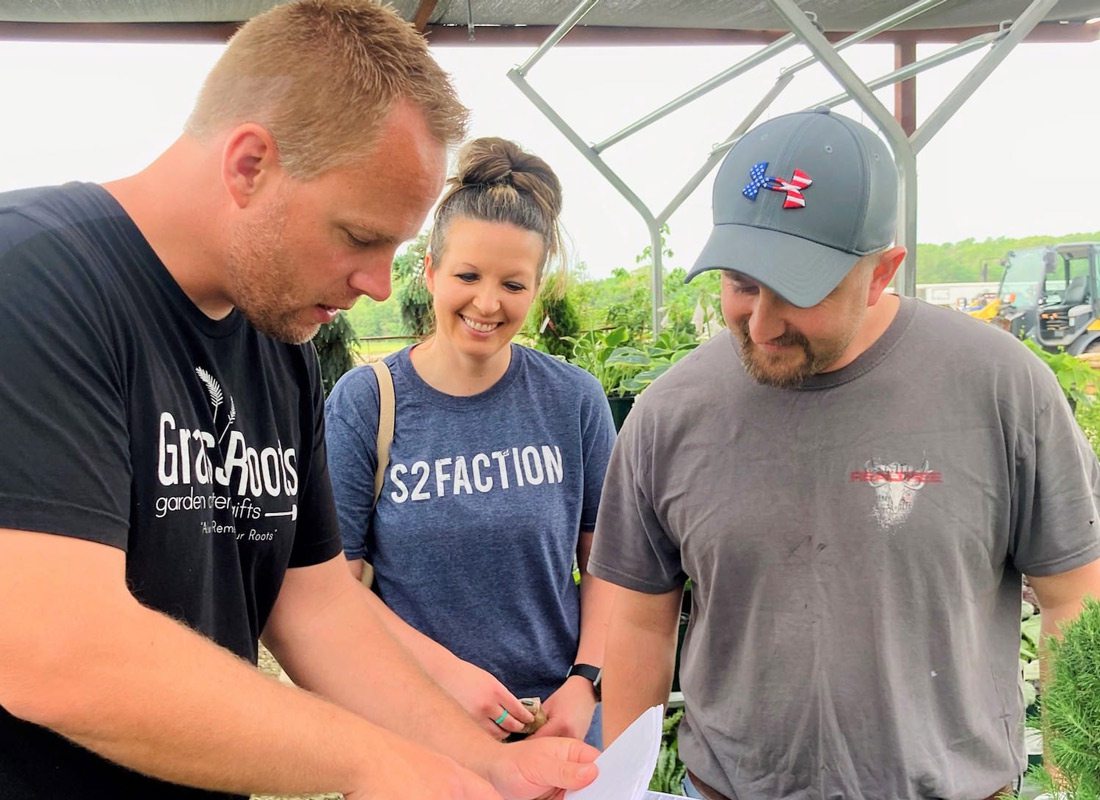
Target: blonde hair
{"x": 320, "y": 76}
{"x": 496, "y": 181}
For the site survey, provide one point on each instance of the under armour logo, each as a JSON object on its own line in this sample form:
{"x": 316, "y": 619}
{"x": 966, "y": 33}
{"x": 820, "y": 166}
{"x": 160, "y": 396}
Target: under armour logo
{"x": 758, "y": 179}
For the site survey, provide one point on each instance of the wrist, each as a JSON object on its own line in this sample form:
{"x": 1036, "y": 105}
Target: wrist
{"x": 581, "y": 689}
{"x": 590, "y": 674}
{"x": 481, "y": 755}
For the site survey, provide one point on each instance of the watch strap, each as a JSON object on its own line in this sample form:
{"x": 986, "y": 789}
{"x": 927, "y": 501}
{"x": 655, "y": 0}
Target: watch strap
{"x": 589, "y": 672}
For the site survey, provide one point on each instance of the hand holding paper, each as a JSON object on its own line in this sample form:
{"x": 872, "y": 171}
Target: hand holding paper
{"x": 627, "y": 764}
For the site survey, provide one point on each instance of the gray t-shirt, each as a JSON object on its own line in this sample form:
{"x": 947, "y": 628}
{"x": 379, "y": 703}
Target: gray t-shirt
{"x": 855, "y": 548}
{"x": 476, "y": 529}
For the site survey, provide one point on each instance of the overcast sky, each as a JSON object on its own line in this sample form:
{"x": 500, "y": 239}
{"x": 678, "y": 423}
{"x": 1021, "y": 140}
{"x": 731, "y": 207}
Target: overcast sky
{"x": 1019, "y": 158}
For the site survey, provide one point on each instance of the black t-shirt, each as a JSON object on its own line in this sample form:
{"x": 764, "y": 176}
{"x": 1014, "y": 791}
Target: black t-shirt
{"x": 132, "y": 419}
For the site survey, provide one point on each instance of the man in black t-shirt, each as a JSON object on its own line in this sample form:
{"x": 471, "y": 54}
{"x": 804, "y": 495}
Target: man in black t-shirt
{"x": 164, "y": 499}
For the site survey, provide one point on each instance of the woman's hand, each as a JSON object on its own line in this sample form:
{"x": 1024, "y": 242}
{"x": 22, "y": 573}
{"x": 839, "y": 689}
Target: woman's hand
{"x": 484, "y": 698}
{"x": 569, "y": 710}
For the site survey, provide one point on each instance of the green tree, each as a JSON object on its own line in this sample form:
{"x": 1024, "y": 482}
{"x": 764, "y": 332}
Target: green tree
{"x": 413, "y": 297}
{"x": 335, "y": 343}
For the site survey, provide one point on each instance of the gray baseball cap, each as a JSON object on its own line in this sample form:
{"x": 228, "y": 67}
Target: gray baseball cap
{"x": 798, "y": 200}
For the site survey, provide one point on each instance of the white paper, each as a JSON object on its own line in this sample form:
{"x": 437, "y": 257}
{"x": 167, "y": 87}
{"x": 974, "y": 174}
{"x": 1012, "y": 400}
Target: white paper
{"x": 626, "y": 766}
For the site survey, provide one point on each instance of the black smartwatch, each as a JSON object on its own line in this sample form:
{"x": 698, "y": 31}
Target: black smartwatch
{"x": 594, "y": 674}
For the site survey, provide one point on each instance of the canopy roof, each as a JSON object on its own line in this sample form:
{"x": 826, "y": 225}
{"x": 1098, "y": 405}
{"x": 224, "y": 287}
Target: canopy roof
{"x": 449, "y": 21}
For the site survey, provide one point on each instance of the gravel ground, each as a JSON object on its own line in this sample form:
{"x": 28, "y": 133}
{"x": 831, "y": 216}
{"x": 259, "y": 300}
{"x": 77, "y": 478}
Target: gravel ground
{"x": 269, "y": 665}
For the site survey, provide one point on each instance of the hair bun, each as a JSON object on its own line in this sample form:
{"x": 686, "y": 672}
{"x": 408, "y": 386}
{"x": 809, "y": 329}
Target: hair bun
{"x": 488, "y": 160}
{"x": 496, "y": 181}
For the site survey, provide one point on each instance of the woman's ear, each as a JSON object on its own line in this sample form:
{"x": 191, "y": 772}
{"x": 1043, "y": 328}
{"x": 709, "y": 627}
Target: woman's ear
{"x": 429, "y": 273}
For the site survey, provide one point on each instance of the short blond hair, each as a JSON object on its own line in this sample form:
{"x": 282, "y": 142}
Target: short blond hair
{"x": 320, "y": 76}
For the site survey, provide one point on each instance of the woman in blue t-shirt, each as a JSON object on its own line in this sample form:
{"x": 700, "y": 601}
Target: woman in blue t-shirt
{"x": 495, "y": 469}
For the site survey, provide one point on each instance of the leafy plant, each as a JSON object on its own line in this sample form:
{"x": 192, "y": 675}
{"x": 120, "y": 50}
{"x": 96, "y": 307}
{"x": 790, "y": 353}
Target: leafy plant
{"x": 1074, "y": 375}
{"x": 668, "y": 775}
{"x": 335, "y": 343}
{"x": 592, "y": 351}
{"x": 1071, "y": 703}
{"x": 1029, "y": 653}
{"x": 652, "y": 360}
{"x": 1088, "y": 417}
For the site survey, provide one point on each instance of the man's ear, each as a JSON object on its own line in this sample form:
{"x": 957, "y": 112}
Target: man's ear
{"x": 883, "y": 272}
{"x": 429, "y": 273}
{"x": 250, "y": 161}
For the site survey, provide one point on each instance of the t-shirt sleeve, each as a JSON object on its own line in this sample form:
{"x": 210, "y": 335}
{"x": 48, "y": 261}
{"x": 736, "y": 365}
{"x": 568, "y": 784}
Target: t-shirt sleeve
{"x": 64, "y": 446}
{"x": 320, "y": 540}
{"x": 352, "y": 438}
{"x": 1057, "y": 514}
{"x": 631, "y": 547}
{"x": 598, "y": 437}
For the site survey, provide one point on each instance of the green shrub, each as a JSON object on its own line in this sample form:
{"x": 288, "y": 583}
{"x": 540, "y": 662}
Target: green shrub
{"x": 335, "y": 343}
{"x": 592, "y": 350}
{"x": 555, "y": 320}
{"x": 1088, "y": 417}
{"x": 1074, "y": 375}
{"x": 417, "y": 316}
{"x": 1071, "y": 708}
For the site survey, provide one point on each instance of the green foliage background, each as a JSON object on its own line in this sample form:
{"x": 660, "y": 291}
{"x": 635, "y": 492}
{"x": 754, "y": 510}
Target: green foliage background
{"x": 335, "y": 343}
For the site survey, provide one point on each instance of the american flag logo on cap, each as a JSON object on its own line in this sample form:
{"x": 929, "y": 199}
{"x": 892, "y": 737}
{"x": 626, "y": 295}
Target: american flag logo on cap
{"x": 758, "y": 179}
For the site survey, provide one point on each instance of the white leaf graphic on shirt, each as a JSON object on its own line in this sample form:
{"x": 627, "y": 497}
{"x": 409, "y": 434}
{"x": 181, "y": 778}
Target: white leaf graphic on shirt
{"x": 229, "y": 421}
{"x": 212, "y": 388}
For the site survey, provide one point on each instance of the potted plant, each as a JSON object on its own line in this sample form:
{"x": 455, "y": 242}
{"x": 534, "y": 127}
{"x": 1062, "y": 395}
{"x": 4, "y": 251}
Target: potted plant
{"x": 651, "y": 361}
{"x": 592, "y": 351}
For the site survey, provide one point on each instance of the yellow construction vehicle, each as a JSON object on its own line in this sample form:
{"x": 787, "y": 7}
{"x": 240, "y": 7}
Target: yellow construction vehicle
{"x": 1068, "y": 315}
{"x": 1014, "y": 305}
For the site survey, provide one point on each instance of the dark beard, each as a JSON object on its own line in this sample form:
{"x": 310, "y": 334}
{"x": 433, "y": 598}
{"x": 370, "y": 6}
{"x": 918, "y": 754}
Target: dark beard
{"x": 792, "y": 376}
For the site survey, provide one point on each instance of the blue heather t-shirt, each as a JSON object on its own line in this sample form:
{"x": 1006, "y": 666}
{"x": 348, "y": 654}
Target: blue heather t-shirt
{"x": 476, "y": 529}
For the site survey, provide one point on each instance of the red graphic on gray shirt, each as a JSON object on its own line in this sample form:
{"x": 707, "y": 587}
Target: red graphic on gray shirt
{"x": 896, "y": 486}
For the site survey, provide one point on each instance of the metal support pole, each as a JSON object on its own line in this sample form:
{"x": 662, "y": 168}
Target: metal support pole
{"x": 906, "y": 14}
{"x": 916, "y": 67}
{"x": 904, "y": 155}
{"x": 559, "y": 33}
{"x": 601, "y": 166}
{"x": 656, "y": 273}
{"x": 905, "y": 91}
{"x": 759, "y": 57}
{"x": 982, "y": 70}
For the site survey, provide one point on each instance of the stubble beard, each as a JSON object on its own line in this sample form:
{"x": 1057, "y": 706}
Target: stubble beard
{"x": 262, "y": 281}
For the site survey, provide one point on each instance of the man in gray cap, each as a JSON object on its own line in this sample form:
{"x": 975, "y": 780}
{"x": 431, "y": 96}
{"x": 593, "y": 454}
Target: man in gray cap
{"x": 164, "y": 491}
{"x": 854, "y": 518}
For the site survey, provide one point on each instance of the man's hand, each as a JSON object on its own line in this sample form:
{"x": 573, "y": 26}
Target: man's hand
{"x": 407, "y": 770}
{"x": 484, "y": 698}
{"x": 542, "y": 768}
{"x": 569, "y": 710}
